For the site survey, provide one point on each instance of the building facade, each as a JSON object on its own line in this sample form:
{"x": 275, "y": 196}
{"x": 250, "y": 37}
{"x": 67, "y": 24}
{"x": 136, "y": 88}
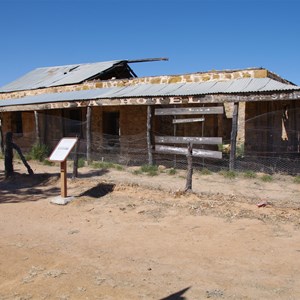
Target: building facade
{"x": 115, "y": 113}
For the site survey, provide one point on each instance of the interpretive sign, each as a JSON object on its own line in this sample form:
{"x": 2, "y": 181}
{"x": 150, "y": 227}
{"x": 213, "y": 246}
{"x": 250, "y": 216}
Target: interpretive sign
{"x": 63, "y": 149}
{"x": 60, "y": 153}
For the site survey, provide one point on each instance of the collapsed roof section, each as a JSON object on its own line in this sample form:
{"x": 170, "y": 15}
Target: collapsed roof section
{"x": 70, "y": 74}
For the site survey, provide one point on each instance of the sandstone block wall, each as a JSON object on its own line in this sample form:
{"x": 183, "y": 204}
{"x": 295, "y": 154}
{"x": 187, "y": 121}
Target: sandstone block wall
{"x": 194, "y": 77}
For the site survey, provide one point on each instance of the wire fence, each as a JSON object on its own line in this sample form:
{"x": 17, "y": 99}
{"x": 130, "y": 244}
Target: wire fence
{"x": 130, "y": 150}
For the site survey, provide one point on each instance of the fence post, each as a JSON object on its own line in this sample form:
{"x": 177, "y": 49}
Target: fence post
{"x": 88, "y": 134}
{"x": 233, "y": 137}
{"x": 1, "y": 138}
{"x": 37, "y": 129}
{"x": 188, "y": 187}
{"x": 149, "y": 145}
{"x": 75, "y": 164}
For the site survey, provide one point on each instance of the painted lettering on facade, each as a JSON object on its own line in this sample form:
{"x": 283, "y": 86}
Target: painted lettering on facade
{"x": 178, "y": 100}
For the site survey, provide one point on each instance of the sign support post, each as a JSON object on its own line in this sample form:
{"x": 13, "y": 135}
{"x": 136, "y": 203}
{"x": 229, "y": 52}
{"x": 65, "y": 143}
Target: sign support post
{"x": 60, "y": 154}
{"x": 63, "y": 178}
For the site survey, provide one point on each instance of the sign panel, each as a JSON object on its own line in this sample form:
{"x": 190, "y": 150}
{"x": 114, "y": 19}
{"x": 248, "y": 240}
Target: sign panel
{"x": 184, "y": 151}
{"x": 186, "y": 139}
{"x": 189, "y": 111}
{"x": 62, "y": 149}
{"x": 190, "y": 120}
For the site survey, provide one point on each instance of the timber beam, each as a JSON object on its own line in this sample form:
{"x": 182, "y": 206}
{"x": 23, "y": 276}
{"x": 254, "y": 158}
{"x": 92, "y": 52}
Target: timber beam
{"x": 16, "y": 104}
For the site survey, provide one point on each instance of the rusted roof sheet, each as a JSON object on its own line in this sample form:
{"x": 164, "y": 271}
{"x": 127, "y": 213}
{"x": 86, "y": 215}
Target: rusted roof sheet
{"x": 55, "y": 76}
{"x": 238, "y": 86}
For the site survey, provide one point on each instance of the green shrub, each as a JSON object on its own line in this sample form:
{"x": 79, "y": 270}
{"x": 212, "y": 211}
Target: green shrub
{"x": 240, "y": 150}
{"x": 148, "y": 169}
{"x": 152, "y": 173}
{"x": 266, "y": 178}
{"x": 250, "y": 174}
{"x": 102, "y": 165}
{"x": 118, "y": 167}
{"x": 297, "y": 179}
{"x": 47, "y": 162}
{"x": 106, "y": 165}
{"x": 205, "y": 171}
{"x": 38, "y": 152}
{"x": 81, "y": 162}
{"x": 137, "y": 172}
{"x": 228, "y": 174}
{"x": 172, "y": 171}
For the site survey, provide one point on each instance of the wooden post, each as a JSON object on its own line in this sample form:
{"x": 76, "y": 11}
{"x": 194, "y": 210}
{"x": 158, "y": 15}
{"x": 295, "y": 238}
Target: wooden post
{"x": 88, "y": 134}
{"x": 149, "y": 145}
{"x": 37, "y": 129}
{"x": 233, "y": 137}
{"x": 188, "y": 187}
{"x": 61, "y": 123}
{"x": 8, "y": 155}
{"x": 174, "y": 134}
{"x": 63, "y": 178}
{"x": 75, "y": 164}
{"x": 45, "y": 128}
{"x": 1, "y": 138}
{"x": 18, "y": 149}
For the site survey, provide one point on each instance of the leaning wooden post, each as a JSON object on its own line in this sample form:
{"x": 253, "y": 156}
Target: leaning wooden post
{"x": 188, "y": 187}
{"x": 233, "y": 137}
{"x": 88, "y": 134}
{"x": 37, "y": 129}
{"x": 149, "y": 145}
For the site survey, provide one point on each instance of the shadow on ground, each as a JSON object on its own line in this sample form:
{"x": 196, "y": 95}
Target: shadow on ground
{"x": 99, "y": 190}
{"x": 177, "y": 295}
{"x": 23, "y": 187}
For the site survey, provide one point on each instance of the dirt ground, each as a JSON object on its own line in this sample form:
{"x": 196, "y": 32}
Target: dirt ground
{"x": 127, "y": 236}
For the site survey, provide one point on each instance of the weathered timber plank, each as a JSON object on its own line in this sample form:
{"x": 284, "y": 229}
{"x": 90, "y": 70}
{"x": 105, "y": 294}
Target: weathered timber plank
{"x": 149, "y": 134}
{"x": 186, "y": 140}
{"x": 88, "y": 134}
{"x": 189, "y": 175}
{"x": 189, "y": 111}
{"x": 184, "y": 151}
{"x": 191, "y": 120}
{"x": 233, "y": 137}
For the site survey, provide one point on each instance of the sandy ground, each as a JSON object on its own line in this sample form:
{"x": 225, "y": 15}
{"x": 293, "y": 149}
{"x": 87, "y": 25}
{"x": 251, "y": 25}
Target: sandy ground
{"x": 127, "y": 236}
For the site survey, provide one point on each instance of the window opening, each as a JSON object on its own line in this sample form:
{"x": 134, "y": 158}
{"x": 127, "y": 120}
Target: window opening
{"x": 17, "y": 123}
{"x": 111, "y": 130}
{"x": 72, "y": 122}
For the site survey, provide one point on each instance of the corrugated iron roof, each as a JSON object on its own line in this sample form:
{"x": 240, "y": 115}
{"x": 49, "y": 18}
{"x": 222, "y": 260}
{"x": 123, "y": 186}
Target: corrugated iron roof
{"x": 237, "y": 86}
{"x": 61, "y": 75}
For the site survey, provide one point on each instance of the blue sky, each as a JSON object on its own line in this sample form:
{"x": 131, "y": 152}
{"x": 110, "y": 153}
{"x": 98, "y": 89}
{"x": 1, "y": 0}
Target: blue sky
{"x": 196, "y": 35}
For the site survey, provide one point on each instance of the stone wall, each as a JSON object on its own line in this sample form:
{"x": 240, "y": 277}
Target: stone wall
{"x": 166, "y": 79}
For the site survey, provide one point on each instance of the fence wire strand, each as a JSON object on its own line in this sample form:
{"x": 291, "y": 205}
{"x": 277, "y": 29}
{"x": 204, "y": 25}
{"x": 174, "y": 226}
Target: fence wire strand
{"x": 132, "y": 149}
